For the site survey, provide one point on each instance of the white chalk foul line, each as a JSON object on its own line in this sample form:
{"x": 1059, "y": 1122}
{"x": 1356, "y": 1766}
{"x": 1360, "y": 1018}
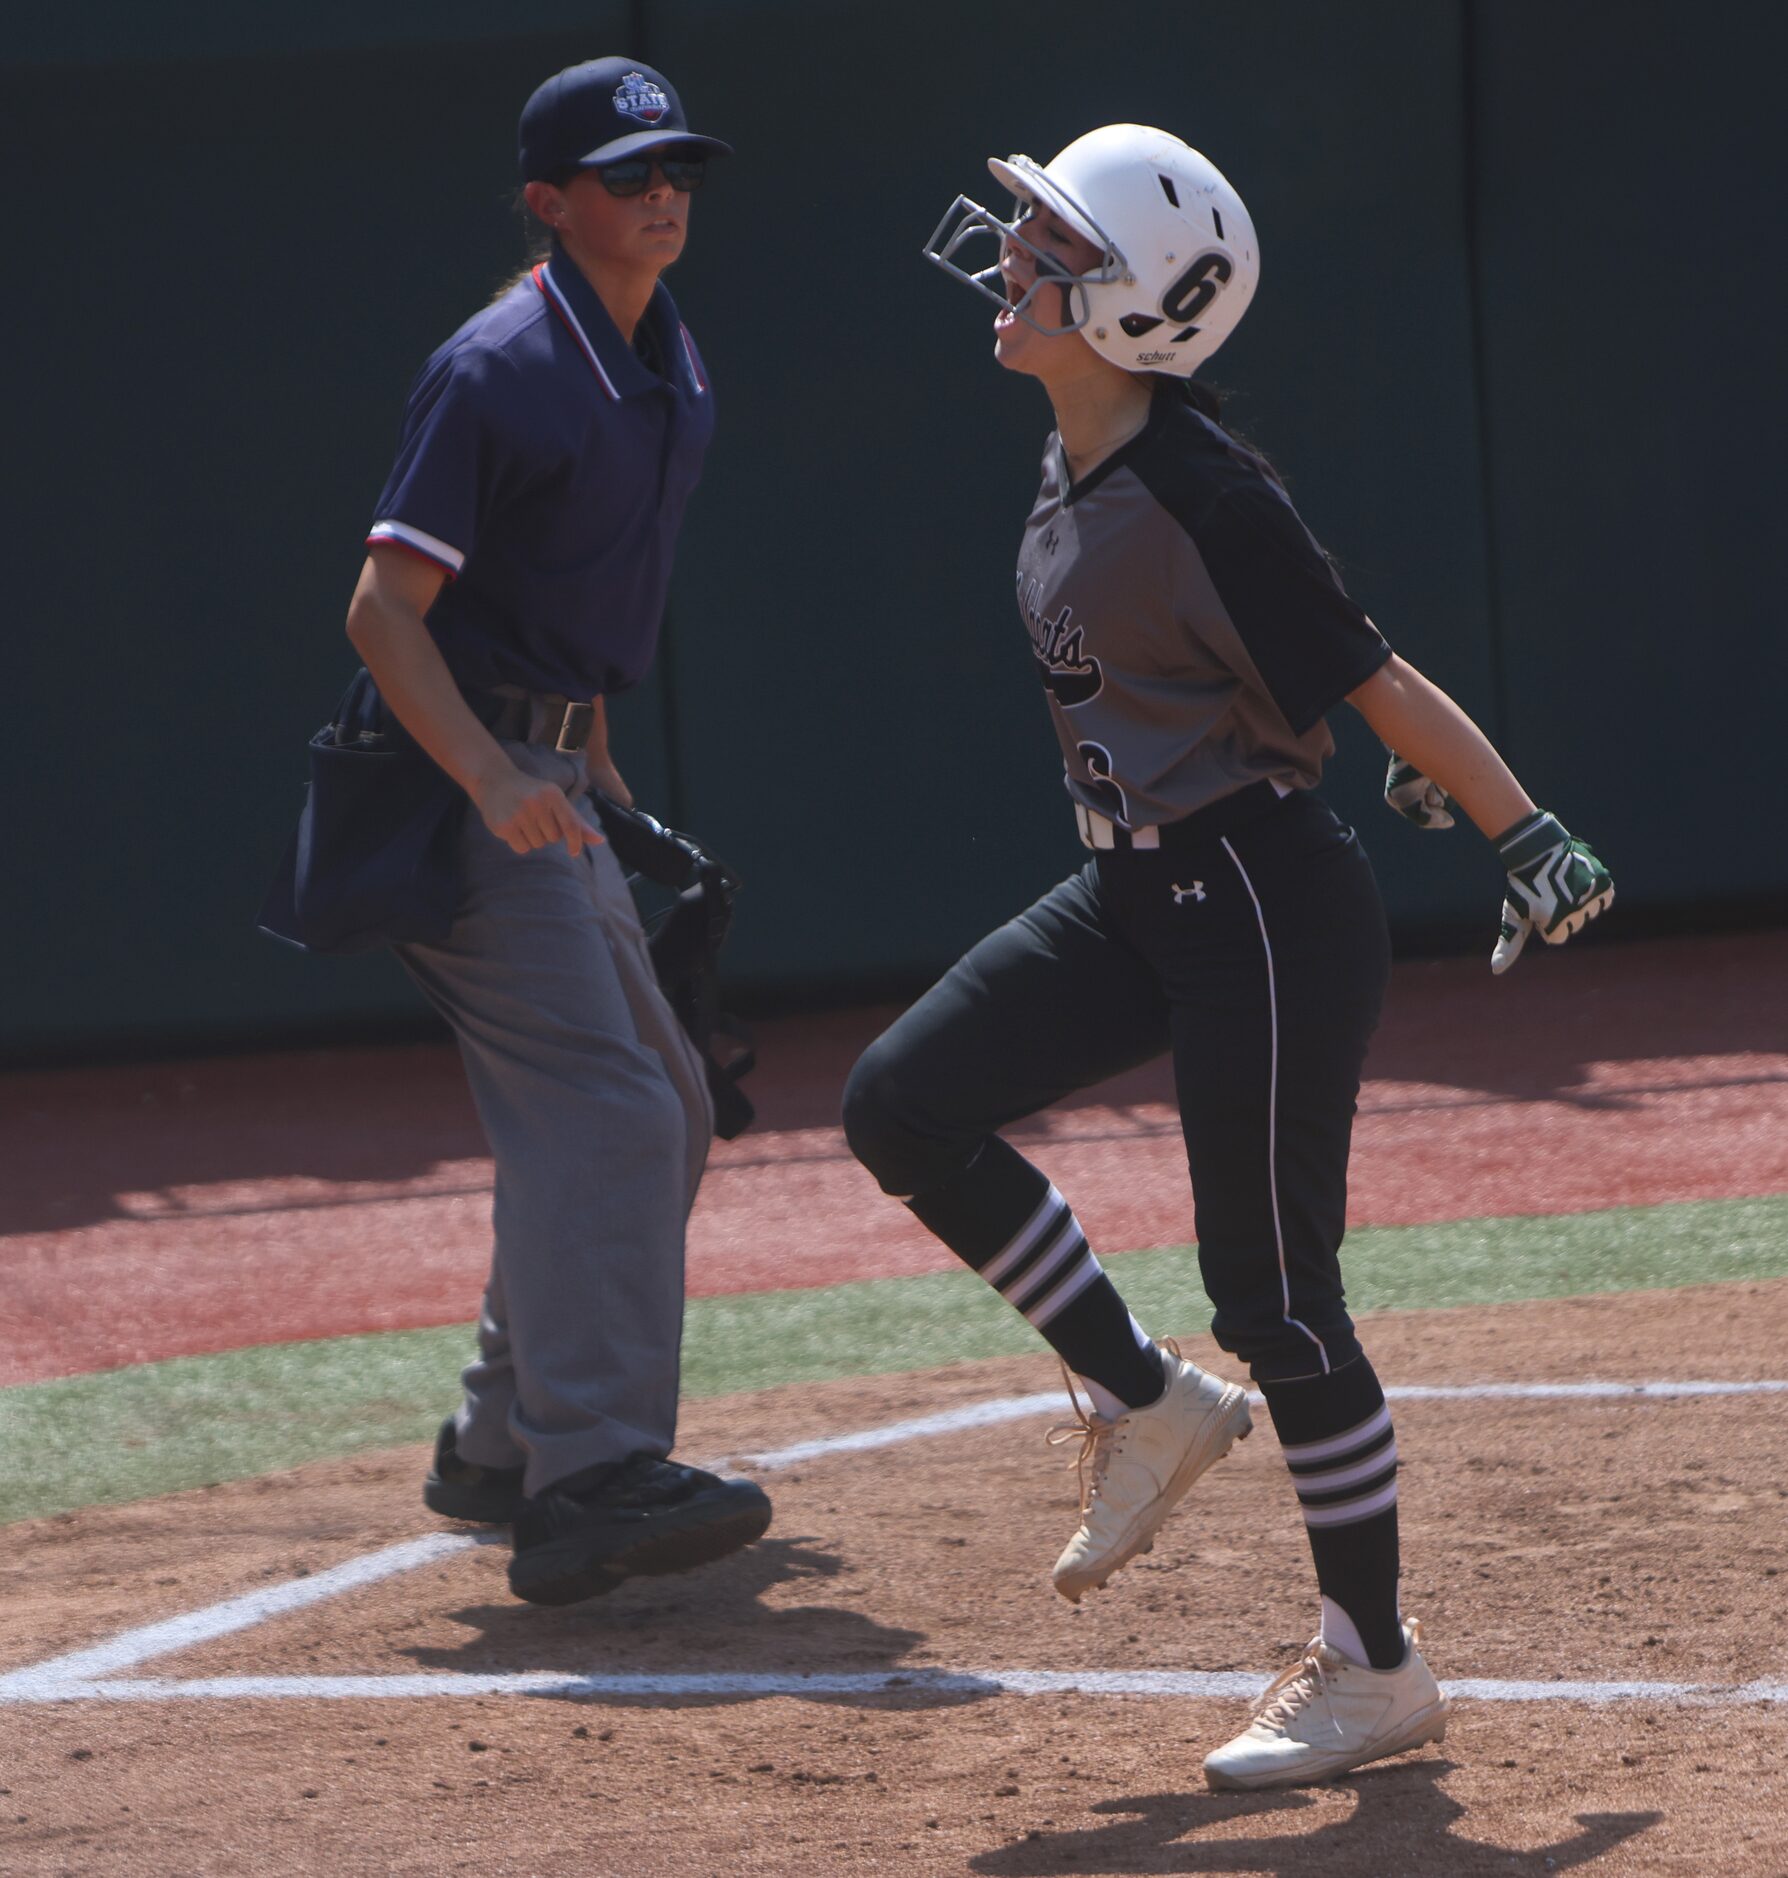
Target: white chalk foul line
{"x": 219, "y": 1620}
{"x": 173, "y": 1634}
{"x": 1017, "y": 1407}
{"x": 950, "y": 1421}
{"x": 1182, "y": 1685}
{"x": 89, "y": 1673}
{"x": 1573, "y": 1391}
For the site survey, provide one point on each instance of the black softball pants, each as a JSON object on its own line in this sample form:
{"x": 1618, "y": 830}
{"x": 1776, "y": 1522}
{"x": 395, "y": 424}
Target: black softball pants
{"x": 1254, "y": 948}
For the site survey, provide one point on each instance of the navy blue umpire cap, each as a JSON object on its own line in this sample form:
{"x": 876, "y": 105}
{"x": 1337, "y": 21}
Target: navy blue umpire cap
{"x": 599, "y": 112}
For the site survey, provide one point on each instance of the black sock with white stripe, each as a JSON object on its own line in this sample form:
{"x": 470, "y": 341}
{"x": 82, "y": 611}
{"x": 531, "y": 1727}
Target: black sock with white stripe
{"x": 1342, "y": 1451}
{"x": 1002, "y": 1216}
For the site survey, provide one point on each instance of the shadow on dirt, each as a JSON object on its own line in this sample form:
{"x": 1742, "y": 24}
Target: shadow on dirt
{"x": 714, "y": 1617}
{"x": 1404, "y": 1823}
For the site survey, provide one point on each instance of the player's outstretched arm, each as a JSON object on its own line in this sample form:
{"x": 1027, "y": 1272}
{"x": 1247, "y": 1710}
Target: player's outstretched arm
{"x": 1431, "y": 735}
{"x": 1556, "y": 884}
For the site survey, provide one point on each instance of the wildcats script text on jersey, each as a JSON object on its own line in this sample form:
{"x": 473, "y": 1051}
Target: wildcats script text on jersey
{"x": 1063, "y": 663}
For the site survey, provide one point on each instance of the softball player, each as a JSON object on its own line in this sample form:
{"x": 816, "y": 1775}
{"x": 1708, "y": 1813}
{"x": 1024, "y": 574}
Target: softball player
{"x": 515, "y": 577}
{"x": 1190, "y": 636}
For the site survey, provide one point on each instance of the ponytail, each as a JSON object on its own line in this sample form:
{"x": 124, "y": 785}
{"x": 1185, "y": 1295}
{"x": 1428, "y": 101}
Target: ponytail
{"x": 538, "y": 245}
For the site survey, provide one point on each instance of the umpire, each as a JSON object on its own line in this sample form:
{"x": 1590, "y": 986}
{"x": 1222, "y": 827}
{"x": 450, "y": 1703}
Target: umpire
{"x": 515, "y": 578}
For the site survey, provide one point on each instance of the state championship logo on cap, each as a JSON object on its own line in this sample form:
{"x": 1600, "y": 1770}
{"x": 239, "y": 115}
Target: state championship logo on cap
{"x": 636, "y": 96}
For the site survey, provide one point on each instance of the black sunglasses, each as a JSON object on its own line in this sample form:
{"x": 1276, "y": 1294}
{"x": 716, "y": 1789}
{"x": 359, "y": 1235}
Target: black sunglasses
{"x": 683, "y": 170}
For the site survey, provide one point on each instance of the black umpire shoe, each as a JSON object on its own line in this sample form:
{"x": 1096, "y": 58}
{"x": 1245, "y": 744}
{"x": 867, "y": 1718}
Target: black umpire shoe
{"x": 461, "y": 1489}
{"x": 629, "y": 1519}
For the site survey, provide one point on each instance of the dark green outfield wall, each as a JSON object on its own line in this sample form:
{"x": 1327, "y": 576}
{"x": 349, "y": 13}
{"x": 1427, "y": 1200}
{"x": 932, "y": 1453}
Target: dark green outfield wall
{"x": 1633, "y": 194}
{"x": 1515, "y": 348}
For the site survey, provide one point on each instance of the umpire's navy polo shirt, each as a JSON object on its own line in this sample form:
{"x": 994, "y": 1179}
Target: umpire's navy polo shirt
{"x": 545, "y": 466}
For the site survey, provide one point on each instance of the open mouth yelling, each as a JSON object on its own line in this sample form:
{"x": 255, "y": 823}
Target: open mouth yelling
{"x": 1007, "y": 317}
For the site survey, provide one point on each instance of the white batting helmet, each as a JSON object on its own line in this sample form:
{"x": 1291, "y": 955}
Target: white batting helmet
{"x": 1178, "y": 260}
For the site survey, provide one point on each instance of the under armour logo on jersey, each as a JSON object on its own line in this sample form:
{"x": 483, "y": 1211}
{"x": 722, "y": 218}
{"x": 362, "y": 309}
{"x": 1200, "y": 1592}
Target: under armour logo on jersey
{"x": 1051, "y": 541}
{"x": 1182, "y": 894}
{"x": 636, "y": 96}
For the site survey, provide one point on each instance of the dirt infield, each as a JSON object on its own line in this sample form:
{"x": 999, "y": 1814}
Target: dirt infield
{"x": 1591, "y": 1539}
{"x": 353, "y": 1184}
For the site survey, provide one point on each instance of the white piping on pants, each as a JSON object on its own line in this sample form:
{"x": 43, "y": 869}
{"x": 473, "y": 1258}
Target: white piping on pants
{"x": 1273, "y": 1109}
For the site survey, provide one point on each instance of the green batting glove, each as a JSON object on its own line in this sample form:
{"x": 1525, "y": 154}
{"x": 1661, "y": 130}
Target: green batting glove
{"x": 1557, "y": 885}
{"x": 1416, "y": 797}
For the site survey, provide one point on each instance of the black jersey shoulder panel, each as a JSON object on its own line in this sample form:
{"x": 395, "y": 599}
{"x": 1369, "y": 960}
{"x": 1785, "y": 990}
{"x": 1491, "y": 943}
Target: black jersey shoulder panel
{"x": 1309, "y": 640}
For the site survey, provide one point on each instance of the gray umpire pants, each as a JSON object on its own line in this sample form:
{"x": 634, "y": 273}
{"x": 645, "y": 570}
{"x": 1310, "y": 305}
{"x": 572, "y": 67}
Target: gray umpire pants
{"x": 597, "y": 1111}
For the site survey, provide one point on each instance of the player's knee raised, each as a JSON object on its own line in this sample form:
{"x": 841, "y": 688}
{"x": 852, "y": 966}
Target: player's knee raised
{"x": 874, "y": 1111}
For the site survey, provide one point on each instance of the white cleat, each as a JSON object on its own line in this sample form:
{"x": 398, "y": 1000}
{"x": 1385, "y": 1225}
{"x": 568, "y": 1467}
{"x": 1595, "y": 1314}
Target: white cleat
{"x": 1136, "y": 1469}
{"x": 1326, "y": 1714}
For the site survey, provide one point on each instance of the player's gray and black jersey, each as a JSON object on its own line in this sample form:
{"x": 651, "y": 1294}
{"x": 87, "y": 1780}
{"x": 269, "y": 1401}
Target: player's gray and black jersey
{"x": 1190, "y": 631}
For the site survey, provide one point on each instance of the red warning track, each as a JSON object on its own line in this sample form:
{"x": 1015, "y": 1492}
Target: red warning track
{"x": 171, "y": 1209}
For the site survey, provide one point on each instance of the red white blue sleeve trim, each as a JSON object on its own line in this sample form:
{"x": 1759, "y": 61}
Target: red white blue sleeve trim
{"x": 414, "y": 541}
{"x": 544, "y": 281}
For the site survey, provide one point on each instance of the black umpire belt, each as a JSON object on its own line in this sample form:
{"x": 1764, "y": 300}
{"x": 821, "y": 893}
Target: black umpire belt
{"x": 564, "y": 724}
{"x": 1209, "y": 823}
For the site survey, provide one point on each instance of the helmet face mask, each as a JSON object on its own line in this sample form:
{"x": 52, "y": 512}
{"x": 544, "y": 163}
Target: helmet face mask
{"x": 966, "y": 222}
{"x": 1178, "y": 260}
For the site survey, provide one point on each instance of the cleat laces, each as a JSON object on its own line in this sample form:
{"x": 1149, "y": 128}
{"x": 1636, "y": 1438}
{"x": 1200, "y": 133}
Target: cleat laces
{"x": 1292, "y": 1691}
{"x": 1094, "y": 1433}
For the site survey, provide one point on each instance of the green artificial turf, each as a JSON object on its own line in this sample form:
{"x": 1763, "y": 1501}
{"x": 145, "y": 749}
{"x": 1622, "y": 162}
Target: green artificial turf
{"x": 128, "y": 1434}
